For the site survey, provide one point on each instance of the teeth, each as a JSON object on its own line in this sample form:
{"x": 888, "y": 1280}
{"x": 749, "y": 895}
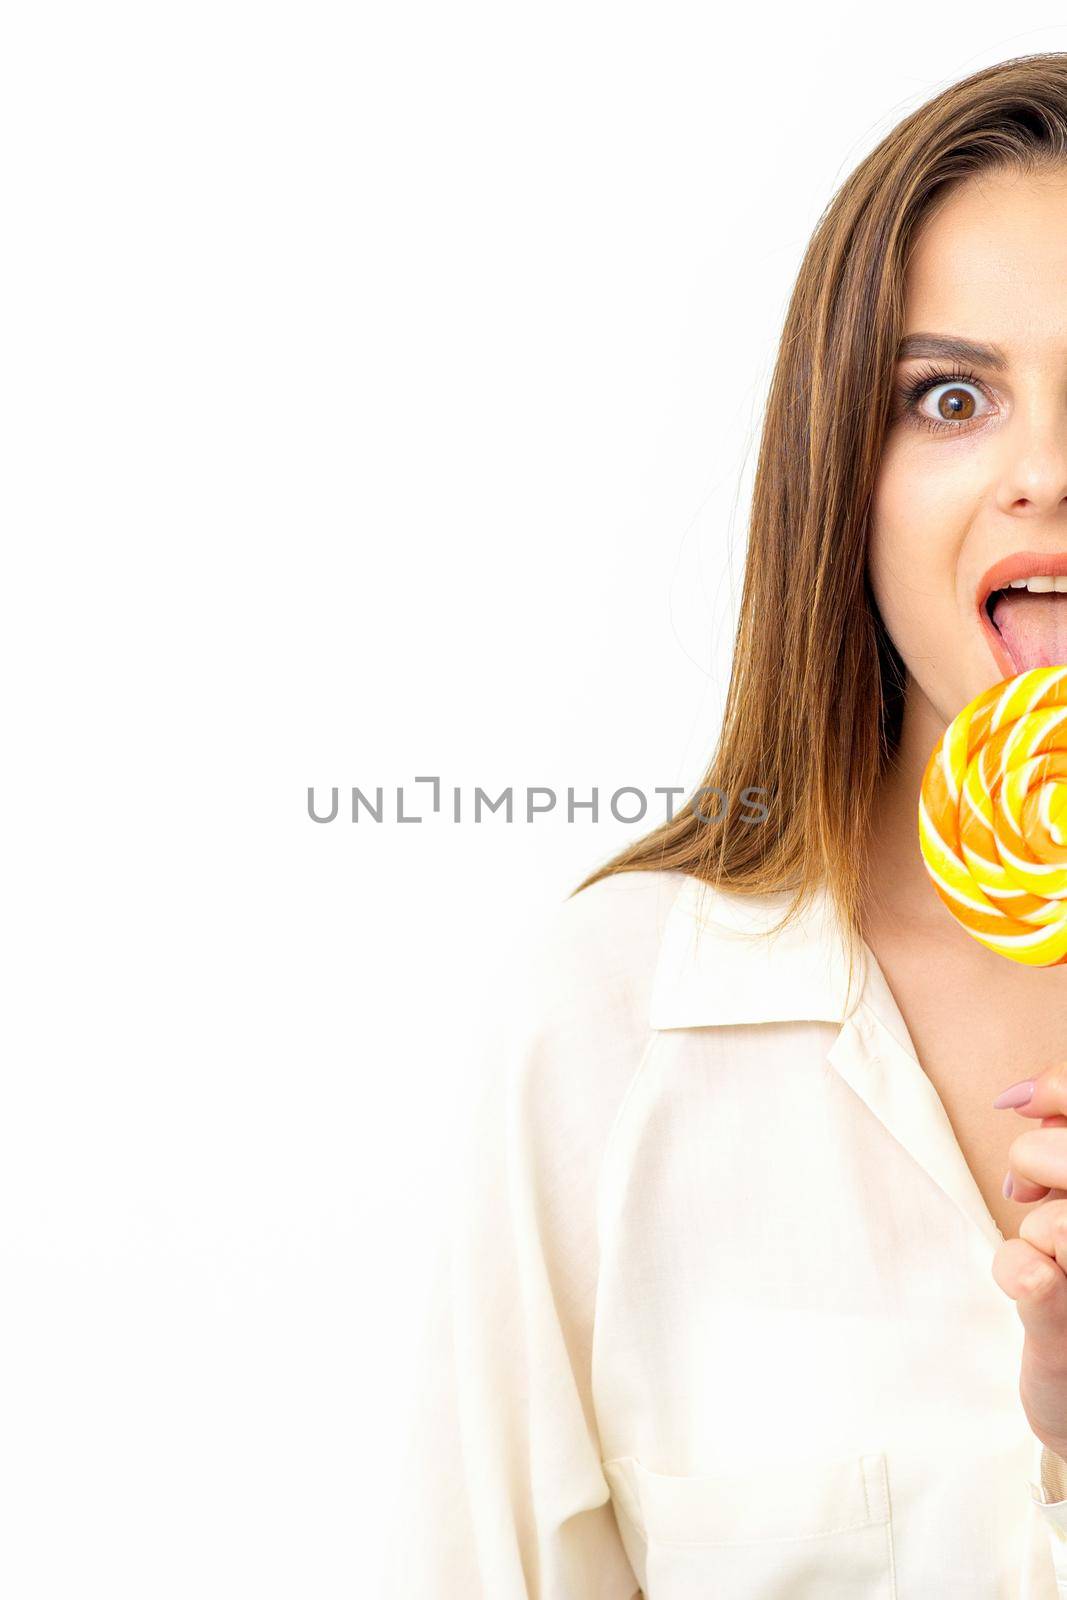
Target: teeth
{"x": 1040, "y": 584}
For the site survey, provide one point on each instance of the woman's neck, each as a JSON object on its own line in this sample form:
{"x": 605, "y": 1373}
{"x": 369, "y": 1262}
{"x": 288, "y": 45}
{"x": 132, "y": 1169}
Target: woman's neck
{"x": 900, "y": 890}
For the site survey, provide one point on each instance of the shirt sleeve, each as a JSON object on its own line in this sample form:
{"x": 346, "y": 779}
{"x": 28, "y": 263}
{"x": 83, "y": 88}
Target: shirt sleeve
{"x": 1048, "y": 1491}
{"x": 504, "y": 1493}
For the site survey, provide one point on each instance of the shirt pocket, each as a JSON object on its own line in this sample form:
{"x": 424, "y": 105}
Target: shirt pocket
{"x": 819, "y": 1527}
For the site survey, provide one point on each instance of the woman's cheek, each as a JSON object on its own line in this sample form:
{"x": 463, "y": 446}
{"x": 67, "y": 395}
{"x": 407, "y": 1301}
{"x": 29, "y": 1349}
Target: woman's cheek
{"x": 928, "y": 500}
{"x": 913, "y": 556}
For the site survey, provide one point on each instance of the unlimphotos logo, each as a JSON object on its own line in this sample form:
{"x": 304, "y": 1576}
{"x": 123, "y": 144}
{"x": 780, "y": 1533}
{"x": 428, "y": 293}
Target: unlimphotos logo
{"x": 530, "y": 803}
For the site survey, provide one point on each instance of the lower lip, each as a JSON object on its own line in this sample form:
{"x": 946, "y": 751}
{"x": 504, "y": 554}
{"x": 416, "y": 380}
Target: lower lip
{"x": 1007, "y": 666}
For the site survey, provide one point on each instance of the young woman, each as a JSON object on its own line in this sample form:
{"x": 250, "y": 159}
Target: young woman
{"x": 736, "y": 1304}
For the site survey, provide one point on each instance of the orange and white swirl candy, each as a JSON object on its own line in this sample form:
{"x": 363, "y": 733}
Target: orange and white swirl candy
{"x": 993, "y": 817}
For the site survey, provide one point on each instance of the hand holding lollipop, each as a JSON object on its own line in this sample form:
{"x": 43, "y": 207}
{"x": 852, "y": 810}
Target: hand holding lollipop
{"x": 993, "y": 835}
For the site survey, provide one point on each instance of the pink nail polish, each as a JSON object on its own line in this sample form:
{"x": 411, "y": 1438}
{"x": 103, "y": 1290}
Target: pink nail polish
{"x": 1017, "y": 1095}
{"x": 1007, "y": 1186}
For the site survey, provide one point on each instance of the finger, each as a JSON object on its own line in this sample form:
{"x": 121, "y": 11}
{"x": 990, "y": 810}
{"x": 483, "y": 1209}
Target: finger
{"x": 1046, "y": 1091}
{"x": 1024, "y": 1191}
{"x": 1046, "y": 1229}
{"x": 1038, "y": 1157}
{"x": 1033, "y": 1191}
{"x": 1041, "y": 1302}
{"x": 1039, "y": 1289}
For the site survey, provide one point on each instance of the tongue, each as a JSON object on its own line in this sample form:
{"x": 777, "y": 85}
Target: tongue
{"x": 1033, "y": 627}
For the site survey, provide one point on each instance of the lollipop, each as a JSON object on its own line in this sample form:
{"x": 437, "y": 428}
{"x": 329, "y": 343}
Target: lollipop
{"x": 993, "y": 817}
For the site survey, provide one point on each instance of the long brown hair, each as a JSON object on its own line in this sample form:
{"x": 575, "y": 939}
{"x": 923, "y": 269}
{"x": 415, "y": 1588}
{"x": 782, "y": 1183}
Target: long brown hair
{"x": 815, "y": 700}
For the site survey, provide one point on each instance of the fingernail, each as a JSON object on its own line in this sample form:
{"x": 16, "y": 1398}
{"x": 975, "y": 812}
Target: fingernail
{"x": 1007, "y": 1186}
{"x": 1017, "y": 1095}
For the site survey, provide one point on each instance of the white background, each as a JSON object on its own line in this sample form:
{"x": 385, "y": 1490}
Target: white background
{"x": 381, "y": 389}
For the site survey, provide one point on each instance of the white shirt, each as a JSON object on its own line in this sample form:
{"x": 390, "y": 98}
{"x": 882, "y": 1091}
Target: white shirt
{"x": 717, "y": 1317}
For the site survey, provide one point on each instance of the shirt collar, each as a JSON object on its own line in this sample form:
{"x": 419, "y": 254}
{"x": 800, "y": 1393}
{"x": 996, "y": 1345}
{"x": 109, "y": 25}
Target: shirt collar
{"x": 719, "y": 963}
{"x": 713, "y": 970}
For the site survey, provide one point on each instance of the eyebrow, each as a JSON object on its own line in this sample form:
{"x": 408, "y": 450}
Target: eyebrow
{"x": 939, "y": 344}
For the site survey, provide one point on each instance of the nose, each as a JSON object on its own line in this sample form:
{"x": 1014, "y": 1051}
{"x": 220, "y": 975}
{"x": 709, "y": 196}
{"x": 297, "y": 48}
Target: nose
{"x": 1033, "y": 481}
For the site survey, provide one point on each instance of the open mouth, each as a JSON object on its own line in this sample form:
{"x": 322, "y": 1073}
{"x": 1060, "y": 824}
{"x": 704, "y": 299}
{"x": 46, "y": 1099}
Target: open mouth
{"x": 1023, "y": 609}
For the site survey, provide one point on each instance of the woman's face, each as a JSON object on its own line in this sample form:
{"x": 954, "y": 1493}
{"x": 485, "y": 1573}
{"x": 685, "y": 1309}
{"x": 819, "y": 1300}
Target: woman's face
{"x": 975, "y": 468}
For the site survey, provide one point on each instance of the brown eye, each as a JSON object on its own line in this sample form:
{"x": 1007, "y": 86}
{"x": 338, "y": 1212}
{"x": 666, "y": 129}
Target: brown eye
{"x": 944, "y": 402}
{"x": 956, "y": 405}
